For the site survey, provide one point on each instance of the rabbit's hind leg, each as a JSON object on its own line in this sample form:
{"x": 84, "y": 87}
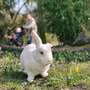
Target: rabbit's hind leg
{"x": 44, "y": 74}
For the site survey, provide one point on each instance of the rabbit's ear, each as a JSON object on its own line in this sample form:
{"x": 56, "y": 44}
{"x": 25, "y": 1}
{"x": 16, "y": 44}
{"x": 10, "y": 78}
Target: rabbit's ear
{"x": 36, "y": 38}
{"x": 50, "y": 45}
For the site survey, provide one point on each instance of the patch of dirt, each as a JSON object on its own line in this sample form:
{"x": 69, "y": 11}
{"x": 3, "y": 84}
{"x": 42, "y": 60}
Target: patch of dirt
{"x": 71, "y": 48}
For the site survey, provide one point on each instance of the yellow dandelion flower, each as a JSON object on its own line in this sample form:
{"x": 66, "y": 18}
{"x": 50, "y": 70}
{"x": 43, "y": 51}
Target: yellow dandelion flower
{"x": 77, "y": 69}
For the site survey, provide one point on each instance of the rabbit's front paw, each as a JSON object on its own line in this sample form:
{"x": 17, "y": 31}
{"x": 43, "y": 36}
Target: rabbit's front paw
{"x": 30, "y": 78}
{"x": 44, "y": 74}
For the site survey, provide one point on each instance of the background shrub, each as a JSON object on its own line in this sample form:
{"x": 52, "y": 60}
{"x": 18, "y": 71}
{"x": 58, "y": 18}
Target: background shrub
{"x": 62, "y": 18}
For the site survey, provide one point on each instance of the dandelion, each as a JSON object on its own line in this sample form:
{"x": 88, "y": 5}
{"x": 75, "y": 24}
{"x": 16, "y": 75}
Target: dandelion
{"x": 77, "y": 69}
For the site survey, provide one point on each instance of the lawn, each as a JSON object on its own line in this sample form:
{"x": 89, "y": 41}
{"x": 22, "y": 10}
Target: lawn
{"x": 62, "y": 75}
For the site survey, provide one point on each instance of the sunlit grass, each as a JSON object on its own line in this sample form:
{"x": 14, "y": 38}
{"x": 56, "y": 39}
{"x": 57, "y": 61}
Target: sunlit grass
{"x": 61, "y": 75}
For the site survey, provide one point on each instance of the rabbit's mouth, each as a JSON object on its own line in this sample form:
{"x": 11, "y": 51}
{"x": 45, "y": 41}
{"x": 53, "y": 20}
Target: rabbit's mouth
{"x": 49, "y": 62}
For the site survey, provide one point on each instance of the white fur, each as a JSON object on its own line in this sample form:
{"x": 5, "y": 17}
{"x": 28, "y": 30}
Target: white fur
{"x": 36, "y": 58}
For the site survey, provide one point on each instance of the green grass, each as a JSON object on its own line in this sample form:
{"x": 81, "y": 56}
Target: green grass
{"x": 61, "y": 75}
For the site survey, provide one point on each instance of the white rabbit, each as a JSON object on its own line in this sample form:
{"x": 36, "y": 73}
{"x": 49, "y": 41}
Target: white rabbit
{"x": 36, "y": 58}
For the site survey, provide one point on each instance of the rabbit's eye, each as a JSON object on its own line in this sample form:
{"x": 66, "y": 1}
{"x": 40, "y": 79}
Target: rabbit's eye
{"x": 41, "y": 52}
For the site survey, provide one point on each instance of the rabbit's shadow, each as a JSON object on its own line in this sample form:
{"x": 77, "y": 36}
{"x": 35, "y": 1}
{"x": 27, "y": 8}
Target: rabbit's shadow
{"x": 18, "y": 75}
{"x": 14, "y": 75}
